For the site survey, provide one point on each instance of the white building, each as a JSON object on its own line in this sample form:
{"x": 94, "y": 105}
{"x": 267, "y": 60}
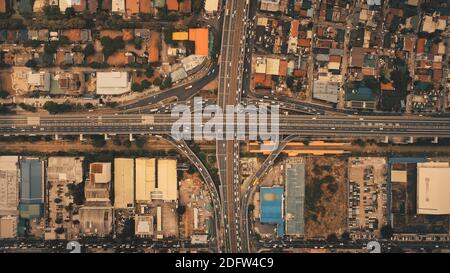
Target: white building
{"x": 211, "y": 6}
{"x": 113, "y": 83}
{"x": 433, "y": 188}
{"x": 118, "y": 6}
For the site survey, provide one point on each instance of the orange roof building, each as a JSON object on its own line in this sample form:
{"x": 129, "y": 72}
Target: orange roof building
{"x": 294, "y": 28}
{"x": 132, "y": 6}
{"x": 172, "y": 5}
{"x": 128, "y": 35}
{"x": 80, "y": 6}
{"x": 409, "y": 44}
{"x": 262, "y": 80}
{"x": 200, "y": 36}
{"x": 145, "y": 6}
{"x": 421, "y": 45}
{"x": 283, "y": 68}
{"x": 304, "y": 42}
{"x": 153, "y": 47}
{"x": 2, "y": 6}
{"x": 387, "y": 86}
{"x": 74, "y": 35}
{"x": 335, "y": 59}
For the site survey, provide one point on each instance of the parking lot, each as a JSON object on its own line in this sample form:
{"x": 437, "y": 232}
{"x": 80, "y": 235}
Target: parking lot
{"x": 367, "y": 195}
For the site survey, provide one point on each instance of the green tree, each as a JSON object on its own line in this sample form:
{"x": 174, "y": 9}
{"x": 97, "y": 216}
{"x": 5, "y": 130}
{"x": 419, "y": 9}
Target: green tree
{"x": 149, "y": 71}
{"x": 27, "y": 107}
{"x": 50, "y": 48}
{"x": 77, "y": 191}
{"x": 89, "y": 106}
{"x": 136, "y": 87}
{"x": 181, "y": 210}
{"x": 31, "y": 63}
{"x": 89, "y": 50}
{"x": 127, "y": 143}
{"x": 3, "y": 94}
{"x": 386, "y": 232}
{"x": 98, "y": 142}
{"x": 157, "y": 82}
{"x": 69, "y": 12}
{"x": 146, "y": 84}
{"x": 140, "y": 142}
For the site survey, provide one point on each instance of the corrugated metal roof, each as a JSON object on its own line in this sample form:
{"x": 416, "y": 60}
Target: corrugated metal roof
{"x": 32, "y": 184}
{"x": 295, "y": 198}
{"x": 272, "y": 207}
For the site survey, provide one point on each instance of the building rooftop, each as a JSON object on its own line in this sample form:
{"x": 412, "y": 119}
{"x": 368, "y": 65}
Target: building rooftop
{"x": 96, "y": 221}
{"x": 8, "y": 227}
{"x": 143, "y": 225}
{"x": 123, "y": 183}
{"x": 433, "y": 188}
{"x": 295, "y": 198}
{"x": 200, "y": 36}
{"x": 65, "y": 169}
{"x": 326, "y": 91}
{"x": 145, "y": 178}
{"x": 167, "y": 183}
{"x": 32, "y": 181}
{"x": 113, "y": 83}
{"x": 9, "y": 183}
{"x": 272, "y": 207}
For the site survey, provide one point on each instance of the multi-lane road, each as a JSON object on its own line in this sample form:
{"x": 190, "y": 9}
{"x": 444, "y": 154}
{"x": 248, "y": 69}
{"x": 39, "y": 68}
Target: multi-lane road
{"x": 229, "y": 94}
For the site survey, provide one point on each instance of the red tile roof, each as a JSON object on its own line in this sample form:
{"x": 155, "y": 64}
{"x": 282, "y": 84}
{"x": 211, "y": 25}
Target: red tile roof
{"x": 2, "y": 6}
{"x": 172, "y": 5}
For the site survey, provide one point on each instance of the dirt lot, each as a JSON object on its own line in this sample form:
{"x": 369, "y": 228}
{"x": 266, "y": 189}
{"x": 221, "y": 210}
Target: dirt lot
{"x": 111, "y": 33}
{"x": 5, "y": 82}
{"x": 194, "y": 194}
{"x": 325, "y": 196}
{"x": 118, "y": 59}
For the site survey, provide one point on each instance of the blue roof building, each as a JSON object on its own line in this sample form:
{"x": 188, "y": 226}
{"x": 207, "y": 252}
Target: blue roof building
{"x": 32, "y": 184}
{"x": 272, "y": 208}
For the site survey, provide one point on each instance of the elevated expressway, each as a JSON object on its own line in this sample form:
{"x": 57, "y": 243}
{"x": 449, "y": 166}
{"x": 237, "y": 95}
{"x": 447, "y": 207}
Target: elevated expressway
{"x": 229, "y": 94}
{"x": 161, "y": 124}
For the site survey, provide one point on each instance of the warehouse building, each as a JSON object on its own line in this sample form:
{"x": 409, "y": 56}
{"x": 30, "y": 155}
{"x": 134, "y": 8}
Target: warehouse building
{"x": 97, "y": 187}
{"x": 143, "y": 226}
{"x": 200, "y": 36}
{"x": 8, "y": 227}
{"x": 65, "y": 169}
{"x": 167, "y": 186}
{"x": 272, "y": 208}
{"x": 433, "y": 188}
{"x": 9, "y": 185}
{"x": 145, "y": 179}
{"x": 295, "y": 198}
{"x": 123, "y": 183}
{"x": 326, "y": 91}
{"x": 211, "y": 6}
{"x": 96, "y": 221}
{"x": 96, "y": 216}
{"x": 113, "y": 83}
{"x": 32, "y": 181}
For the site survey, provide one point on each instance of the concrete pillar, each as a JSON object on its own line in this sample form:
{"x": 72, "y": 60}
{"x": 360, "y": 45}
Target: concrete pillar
{"x": 131, "y": 138}
{"x": 81, "y": 137}
{"x": 436, "y": 140}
